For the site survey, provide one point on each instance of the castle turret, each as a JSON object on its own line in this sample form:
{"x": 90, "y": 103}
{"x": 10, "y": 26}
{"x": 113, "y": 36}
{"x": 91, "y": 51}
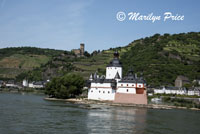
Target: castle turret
{"x": 82, "y": 49}
{"x": 114, "y": 67}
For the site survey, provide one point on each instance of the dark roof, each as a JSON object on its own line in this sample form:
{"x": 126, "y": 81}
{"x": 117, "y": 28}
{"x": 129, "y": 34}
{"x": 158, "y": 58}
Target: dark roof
{"x": 11, "y": 82}
{"x": 95, "y": 75}
{"x": 130, "y": 78}
{"x": 103, "y": 80}
{"x": 115, "y": 61}
{"x": 171, "y": 88}
{"x": 180, "y": 77}
{"x": 117, "y": 76}
{"x": 38, "y": 83}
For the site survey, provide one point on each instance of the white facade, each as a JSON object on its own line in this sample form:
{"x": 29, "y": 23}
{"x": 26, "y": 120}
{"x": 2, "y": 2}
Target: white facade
{"x": 181, "y": 92}
{"x": 38, "y": 86}
{"x": 25, "y": 83}
{"x": 177, "y": 91}
{"x": 126, "y": 88}
{"x": 10, "y": 85}
{"x": 112, "y": 71}
{"x": 30, "y": 85}
{"x": 159, "y": 91}
{"x": 101, "y": 91}
{"x": 194, "y": 92}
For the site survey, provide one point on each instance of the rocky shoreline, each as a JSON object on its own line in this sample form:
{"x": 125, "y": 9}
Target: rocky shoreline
{"x": 110, "y": 103}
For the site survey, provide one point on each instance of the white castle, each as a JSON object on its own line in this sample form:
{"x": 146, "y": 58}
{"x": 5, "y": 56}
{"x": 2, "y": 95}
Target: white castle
{"x": 114, "y": 87}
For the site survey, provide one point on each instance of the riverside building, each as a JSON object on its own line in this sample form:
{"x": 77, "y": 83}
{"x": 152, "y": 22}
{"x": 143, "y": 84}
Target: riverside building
{"x": 113, "y": 87}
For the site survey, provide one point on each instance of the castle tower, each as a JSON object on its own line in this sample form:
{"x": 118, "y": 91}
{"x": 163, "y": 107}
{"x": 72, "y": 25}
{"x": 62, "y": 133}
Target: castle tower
{"x": 114, "y": 68}
{"x": 82, "y": 47}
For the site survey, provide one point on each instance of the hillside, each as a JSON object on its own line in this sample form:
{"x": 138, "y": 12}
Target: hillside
{"x": 14, "y": 61}
{"x": 159, "y": 58}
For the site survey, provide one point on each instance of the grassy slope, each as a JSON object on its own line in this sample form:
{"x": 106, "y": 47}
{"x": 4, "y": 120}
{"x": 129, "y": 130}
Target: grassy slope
{"x": 14, "y": 61}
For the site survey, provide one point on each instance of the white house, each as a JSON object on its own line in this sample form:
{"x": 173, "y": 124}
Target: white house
{"x": 11, "y": 83}
{"x": 159, "y": 90}
{"x": 194, "y": 91}
{"x": 38, "y": 84}
{"x": 170, "y": 90}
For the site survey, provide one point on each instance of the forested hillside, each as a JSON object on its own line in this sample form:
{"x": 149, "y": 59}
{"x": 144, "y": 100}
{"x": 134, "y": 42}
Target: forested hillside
{"x": 159, "y": 58}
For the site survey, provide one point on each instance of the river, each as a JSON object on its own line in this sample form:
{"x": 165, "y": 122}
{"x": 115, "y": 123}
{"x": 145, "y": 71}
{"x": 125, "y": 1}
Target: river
{"x": 30, "y": 114}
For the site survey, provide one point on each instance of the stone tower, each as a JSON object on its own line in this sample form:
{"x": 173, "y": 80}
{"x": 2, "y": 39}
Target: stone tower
{"x": 82, "y": 47}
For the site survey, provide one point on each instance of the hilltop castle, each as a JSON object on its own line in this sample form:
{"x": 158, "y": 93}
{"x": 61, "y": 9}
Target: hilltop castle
{"x": 114, "y": 87}
{"x": 79, "y": 52}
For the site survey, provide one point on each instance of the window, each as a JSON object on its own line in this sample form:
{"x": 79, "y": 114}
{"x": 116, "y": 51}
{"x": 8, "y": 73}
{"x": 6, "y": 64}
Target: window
{"x": 91, "y": 91}
{"x": 108, "y": 91}
{"x": 103, "y": 91}
{"x": 127, "y": 90}
{"x": 99, "y": 91}
{"x": 127, "y": 85}
{"x": 121, "y": 84}
{"x": 133, "y": 85}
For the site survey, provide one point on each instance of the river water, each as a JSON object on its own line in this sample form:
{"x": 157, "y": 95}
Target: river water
{"x": 30, "y": 114}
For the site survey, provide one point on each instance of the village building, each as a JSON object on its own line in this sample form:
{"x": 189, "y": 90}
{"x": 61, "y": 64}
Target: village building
{"x": 37, "y": 84}
{"x": 113, "y": 87}
{"x": 181, "y": 81}
{"x": 79, "y": 52}
{"x": 10, "y": 83}
{"x": 194, "y": 91}
{"x": 170, "y": 90}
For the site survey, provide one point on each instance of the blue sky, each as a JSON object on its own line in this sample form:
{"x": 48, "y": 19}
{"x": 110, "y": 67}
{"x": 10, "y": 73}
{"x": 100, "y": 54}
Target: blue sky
{"x": 64, "y": 24}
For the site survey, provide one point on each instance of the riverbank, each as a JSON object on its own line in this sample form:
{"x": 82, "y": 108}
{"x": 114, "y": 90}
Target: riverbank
{"x": 25, "y": 90}
{"x": 88, "y": 102}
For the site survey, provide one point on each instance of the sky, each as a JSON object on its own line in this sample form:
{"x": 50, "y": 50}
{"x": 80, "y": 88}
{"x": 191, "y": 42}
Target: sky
{"x": 64, "y": 24}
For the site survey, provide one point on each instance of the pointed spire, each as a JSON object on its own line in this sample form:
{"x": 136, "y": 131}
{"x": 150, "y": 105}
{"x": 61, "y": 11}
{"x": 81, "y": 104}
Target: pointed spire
{"x": 95, "y": 75}
{"x": 117, "y": 76}
{"x": 91, "y": 77}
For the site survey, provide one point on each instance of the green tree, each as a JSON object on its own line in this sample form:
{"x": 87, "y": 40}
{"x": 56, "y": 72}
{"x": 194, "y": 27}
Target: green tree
{"x": 67, "y": 86}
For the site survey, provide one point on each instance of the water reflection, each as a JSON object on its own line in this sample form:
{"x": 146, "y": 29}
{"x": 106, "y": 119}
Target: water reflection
{"x": 30, "y": 114}
{"x": 116, "y": 120}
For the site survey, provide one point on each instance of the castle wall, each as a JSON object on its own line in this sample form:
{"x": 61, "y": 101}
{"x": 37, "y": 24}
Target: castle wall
{"x": 76, "y": 51}
{"x": 101, "y": 91}
{"x": 130, "y": 98}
